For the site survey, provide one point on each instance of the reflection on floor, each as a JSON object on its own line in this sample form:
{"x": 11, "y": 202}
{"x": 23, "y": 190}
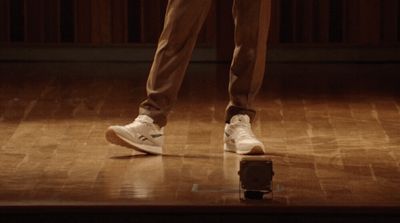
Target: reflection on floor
{"x": 331, "y": 144}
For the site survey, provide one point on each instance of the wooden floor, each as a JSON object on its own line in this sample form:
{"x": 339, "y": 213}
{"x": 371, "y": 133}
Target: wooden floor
{"x": 332, "y": 131}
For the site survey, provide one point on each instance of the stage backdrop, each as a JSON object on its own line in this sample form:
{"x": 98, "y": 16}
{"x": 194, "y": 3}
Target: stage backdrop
{"x": 312, "y": 23}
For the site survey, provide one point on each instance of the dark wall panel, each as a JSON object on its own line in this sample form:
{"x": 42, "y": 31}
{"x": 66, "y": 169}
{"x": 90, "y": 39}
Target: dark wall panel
{"x": 102, "y": 22}
{"x": 83, "y": 21}
{"x": 322, "y": 21}
{"x": 134, "y": 20}
{"x": 336, "y": 24}
{"x": 275, "y": 21}
{"x": 389, "y": 23}
{"x": 287, "y": 13}
{"x": 51, "y": 21}
{"x": 119, "y": 21}
{"x": 34, "y": 21}
{"x": 370, "y": 17}
{"x": 352, "y": 26}
{"x": 305, "y": 21}
{"x": 225, "y": 30}
{"x": 152, "y": 19}
{"x": 398, "y": 20}
{"x": 4, "y": 20}
{"x": 17, "y": 20}
{"x": 67, "y": 20}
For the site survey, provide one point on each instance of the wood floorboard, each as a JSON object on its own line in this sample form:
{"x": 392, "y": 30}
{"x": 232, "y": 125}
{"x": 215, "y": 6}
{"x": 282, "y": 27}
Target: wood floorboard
{"x": 332, "y": 131}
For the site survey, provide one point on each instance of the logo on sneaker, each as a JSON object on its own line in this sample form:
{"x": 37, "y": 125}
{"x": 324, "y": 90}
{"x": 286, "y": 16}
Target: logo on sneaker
{"x": 143, "y": 138}
{"x": 156, "y": 135}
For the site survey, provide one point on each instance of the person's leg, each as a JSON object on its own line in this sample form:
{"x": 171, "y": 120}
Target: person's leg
{"x": 252, "y": 19}
{"x": 183, "y": 21}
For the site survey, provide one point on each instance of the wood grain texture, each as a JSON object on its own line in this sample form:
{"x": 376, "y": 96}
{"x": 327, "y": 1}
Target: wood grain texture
{"x": 334, "y": 139}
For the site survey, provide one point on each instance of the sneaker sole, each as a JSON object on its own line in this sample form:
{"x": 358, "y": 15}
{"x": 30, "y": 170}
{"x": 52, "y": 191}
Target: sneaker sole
{"x": 256, "y": 150}
{"x": 113, "y": 138}
{"x": 118, "y": 139}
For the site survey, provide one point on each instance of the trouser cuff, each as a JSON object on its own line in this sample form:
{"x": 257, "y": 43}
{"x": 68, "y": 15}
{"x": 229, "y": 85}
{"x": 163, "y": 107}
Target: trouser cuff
{"x": 159, "y": 117}
{"x": 235, "y": 110}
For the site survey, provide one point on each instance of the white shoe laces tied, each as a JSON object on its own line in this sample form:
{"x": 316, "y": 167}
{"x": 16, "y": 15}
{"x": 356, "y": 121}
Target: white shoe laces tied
{"x": 140, "y": 120}
{"x": 243, "y": 130}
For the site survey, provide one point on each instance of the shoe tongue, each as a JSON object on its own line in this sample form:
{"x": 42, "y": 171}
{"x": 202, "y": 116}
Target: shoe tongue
{"x": 145, "y": 118}
{"x": 240, "y": 119}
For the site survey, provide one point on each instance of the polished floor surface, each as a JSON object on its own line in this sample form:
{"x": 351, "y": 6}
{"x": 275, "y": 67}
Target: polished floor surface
{"x": 334, "y": 137}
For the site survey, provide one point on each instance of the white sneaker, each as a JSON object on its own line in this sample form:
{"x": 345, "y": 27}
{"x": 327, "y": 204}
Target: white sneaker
{"x": 142, "y": 135}
{"x": 240, "y": 139}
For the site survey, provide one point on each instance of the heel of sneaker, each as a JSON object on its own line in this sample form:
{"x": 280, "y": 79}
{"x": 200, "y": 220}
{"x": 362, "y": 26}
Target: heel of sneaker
{"x": 229, "y": 148}
{"x": 254, "y": 150}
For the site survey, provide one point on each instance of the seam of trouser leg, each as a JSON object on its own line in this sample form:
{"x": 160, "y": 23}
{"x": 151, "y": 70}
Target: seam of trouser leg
{"x": 257, "y": 57}
{"x": 191, "y": 40}
{"x": 163, "y": 109}
{"x": 256, "y": 62}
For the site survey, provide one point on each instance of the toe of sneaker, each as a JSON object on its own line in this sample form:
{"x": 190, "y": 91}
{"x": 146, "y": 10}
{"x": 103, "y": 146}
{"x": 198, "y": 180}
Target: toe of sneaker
{"x": 251, "y": 148}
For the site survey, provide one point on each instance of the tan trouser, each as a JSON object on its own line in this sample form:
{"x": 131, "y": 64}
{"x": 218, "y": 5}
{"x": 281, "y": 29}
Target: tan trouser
{"x": 183, "y": 21}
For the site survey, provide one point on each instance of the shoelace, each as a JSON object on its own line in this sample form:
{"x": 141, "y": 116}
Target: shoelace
{"x": 243, "y": 130}
{"x": 137, "y": 122}
{"x": 132, "y": 124}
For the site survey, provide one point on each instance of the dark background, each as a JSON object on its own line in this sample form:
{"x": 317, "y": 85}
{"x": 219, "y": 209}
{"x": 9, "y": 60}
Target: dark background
{"x": 296, "y": 24}
{"x": 69, "y": 68}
